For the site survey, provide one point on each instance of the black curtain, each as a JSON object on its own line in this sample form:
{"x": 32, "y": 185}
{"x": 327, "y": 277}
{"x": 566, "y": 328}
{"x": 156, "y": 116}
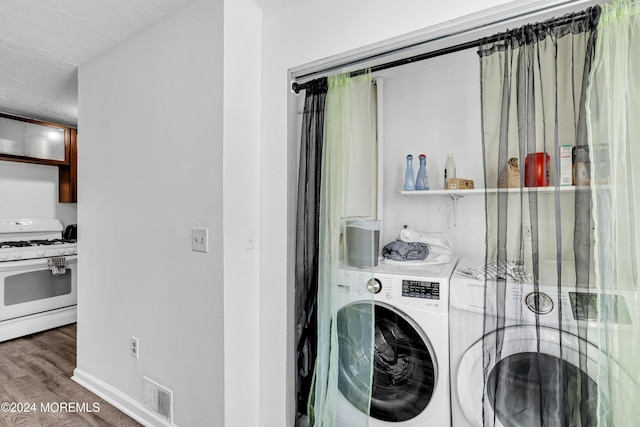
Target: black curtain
{"x": 534, "y": 81}
{"x": 307, "y": 232}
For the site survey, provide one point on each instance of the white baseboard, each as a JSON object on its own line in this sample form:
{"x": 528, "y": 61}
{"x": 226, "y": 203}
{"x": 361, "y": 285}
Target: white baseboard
{"x": 115, "y": 397}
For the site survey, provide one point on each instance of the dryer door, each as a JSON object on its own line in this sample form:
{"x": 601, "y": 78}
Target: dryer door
{"x": 531, "y": 387}
{"x": 404, "y": 365}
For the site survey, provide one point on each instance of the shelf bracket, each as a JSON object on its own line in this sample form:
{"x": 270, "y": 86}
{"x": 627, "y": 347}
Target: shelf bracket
{"x": 455, "y": 198}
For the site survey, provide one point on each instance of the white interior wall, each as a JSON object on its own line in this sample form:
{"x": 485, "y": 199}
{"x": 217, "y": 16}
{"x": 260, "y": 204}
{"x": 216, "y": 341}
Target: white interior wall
{"x": 31, "y": 191}
{"x": 241, "y": 208}
{"x": 432, "y": 107}
{"x": 151, "y": 118}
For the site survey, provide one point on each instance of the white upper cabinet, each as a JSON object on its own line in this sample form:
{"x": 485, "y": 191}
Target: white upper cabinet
{"x": 12, "y": 137}
{"x": 33, "y": 141}
{"x": 44, "y": 142}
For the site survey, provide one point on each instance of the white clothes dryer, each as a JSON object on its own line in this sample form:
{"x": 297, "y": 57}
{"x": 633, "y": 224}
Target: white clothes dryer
{"x": 410, "y": 386}
{"x": 554, "y": 348}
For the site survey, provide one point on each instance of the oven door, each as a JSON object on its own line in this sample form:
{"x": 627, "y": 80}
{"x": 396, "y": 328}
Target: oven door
{"x": 29, "y": 287}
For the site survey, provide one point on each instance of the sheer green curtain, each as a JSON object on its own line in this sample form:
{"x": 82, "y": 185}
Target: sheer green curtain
{"x": 345, "y": 334}
{"x": 614, "y": 145}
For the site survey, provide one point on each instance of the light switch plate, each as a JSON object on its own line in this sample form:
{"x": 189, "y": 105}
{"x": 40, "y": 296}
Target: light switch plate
{"x": 200, "y": 239}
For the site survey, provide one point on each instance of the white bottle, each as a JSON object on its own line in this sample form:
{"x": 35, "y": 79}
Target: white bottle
{"x": 449, "y": 169}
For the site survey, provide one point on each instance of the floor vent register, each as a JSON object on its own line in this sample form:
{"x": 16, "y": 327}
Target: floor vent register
{"x": 158, "y": 399}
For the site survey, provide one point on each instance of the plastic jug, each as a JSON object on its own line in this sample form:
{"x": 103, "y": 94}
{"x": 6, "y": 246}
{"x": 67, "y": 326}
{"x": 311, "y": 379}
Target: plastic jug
{"x": 536, "y": 170}
{"x": 449, "y": 169}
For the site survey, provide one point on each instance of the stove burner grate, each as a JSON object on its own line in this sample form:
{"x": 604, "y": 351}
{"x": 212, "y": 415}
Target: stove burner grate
{"x": 15, "y": 244}
{"x": 50, "y": 242}
{"x": 28, "y": 243}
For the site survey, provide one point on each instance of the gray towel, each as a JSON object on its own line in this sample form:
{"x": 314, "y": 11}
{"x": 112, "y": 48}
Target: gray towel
{"x": 57, "y": 265}
{"x": 405, "y": 251}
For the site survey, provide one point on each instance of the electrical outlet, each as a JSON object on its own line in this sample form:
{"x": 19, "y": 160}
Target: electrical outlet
{"x": 526, "y": 233}
{"x": 200, "y": 239}
{"x": 135, "y": 347}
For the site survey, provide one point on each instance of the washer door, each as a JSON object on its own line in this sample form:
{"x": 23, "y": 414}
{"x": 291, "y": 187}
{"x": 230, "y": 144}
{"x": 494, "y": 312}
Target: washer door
{"x": 404, "y": 366}
{"x": 526, "y": 387}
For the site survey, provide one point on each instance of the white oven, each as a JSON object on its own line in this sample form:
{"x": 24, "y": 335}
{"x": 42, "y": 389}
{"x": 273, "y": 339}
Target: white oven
{"x": 38, "y": 277}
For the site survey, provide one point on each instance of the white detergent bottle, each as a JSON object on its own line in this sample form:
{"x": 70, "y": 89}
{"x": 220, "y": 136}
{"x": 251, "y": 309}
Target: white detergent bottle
{"x": 449, "y": 169}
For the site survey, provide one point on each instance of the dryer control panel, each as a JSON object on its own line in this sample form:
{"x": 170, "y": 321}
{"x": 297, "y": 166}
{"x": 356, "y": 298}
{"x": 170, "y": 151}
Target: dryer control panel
{"x": 420, "y": 289}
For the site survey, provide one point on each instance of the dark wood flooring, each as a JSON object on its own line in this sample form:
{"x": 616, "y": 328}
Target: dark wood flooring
{"x": 36, "y": 389}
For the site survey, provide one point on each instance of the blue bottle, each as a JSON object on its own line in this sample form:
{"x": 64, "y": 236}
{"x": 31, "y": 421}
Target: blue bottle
{"x": 422, "y": 181}
{"x": 409, "y": 183}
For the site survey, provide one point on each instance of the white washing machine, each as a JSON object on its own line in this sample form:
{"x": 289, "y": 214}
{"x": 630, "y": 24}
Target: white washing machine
{"x": 411, "y": 346}
{"x": 560, "y": 354}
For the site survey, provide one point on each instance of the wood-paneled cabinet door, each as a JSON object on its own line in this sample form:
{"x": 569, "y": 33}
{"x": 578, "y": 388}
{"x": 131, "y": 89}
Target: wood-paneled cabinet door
{"x": 68, "y": 174}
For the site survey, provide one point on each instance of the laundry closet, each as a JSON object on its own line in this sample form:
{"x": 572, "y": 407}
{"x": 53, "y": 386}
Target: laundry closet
{"x": 435, "y": 107}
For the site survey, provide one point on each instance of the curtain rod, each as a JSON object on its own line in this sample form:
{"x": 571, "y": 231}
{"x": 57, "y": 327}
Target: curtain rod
{"x": 297, "y": 87}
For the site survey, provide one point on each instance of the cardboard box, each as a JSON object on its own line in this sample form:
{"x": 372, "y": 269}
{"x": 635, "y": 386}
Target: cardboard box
{"x": 459, "y": 184}
{"x": 566, "y": 165}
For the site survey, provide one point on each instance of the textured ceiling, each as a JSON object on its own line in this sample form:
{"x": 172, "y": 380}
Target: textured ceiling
{"x": 42, "y": 42}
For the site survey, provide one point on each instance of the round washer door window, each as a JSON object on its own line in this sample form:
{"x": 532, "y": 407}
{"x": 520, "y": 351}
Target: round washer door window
{"x": 404, "y": 367}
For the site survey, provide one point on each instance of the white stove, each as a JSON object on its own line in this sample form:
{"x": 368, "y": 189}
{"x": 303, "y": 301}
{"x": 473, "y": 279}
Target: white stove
{"x": 37, "y": 276}
{"x": 33, "y": 238}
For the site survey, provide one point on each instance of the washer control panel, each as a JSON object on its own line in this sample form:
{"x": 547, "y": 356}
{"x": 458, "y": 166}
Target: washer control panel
{"x": 407, "y": 288}
{"x": 420, "y": 289}
{"x": 374, "y": 286}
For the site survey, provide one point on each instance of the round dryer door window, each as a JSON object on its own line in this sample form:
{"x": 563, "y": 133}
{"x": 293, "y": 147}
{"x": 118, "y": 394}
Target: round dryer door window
{"x": 404, "y": 367}
{"x": 535, "y": 381}
{"x": 538, "y": 389}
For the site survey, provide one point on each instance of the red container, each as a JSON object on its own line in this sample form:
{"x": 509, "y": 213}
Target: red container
{"x": 536, "y": 170}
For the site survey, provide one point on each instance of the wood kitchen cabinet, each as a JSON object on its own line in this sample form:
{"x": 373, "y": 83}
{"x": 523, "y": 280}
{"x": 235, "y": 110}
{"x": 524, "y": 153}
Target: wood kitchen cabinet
{"x": 68, "y": 174}
{"x": 34, "y": 141}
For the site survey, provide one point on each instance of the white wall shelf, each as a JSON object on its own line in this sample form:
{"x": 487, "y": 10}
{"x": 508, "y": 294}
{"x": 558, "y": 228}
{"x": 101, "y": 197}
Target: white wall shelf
{"x": 479, "y": 191}
{"x": 456, "y": 194}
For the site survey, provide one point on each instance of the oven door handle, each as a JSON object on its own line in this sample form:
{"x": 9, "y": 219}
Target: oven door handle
{"x": 28, "y": 263}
